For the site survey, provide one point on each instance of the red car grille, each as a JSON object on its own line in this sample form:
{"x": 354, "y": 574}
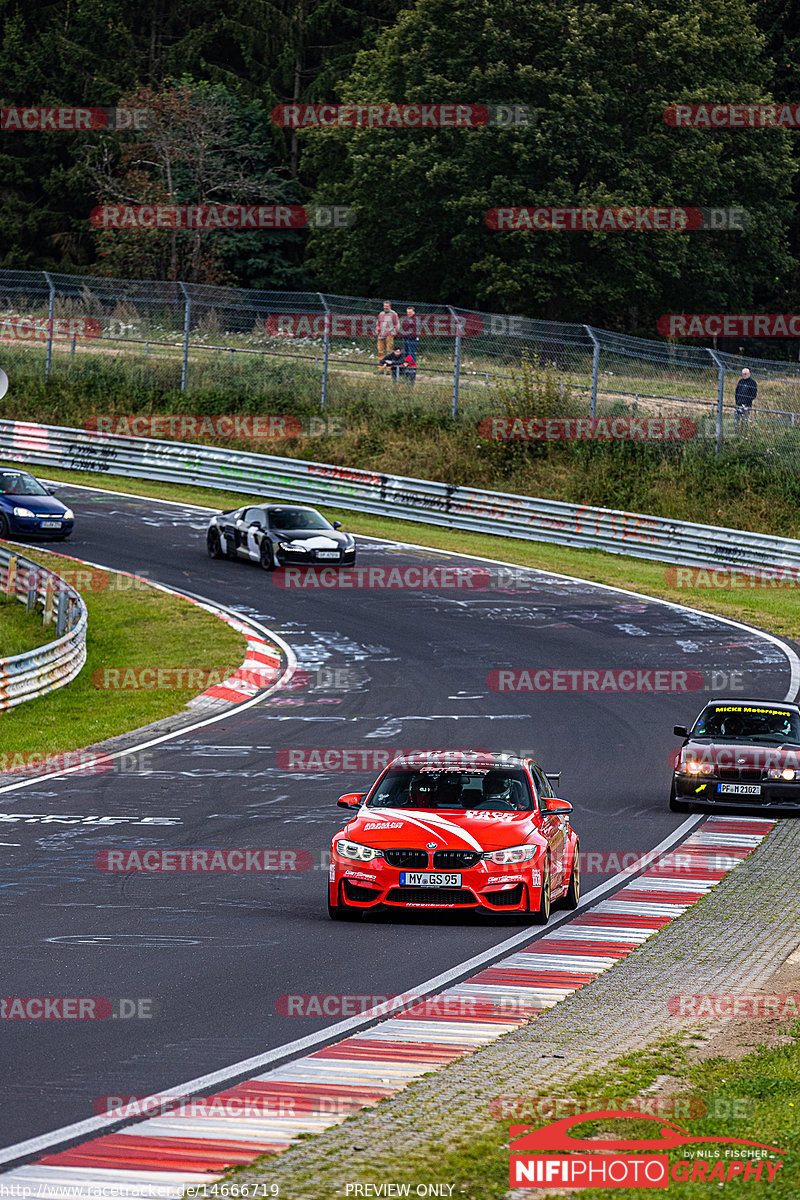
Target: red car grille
{"x": 410, "y": 895}
{"x": 406, "y": 858}
{"x": 447, "y": 860}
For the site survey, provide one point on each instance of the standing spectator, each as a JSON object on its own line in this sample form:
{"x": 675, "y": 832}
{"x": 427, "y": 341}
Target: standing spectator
{"x": 410, "y": 328}
{"x": 386, "y": 326}
{"x": 746, "y": 392}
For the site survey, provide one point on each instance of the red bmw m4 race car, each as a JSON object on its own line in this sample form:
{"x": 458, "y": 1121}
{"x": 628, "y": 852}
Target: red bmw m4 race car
{"x": 456, "y": 830}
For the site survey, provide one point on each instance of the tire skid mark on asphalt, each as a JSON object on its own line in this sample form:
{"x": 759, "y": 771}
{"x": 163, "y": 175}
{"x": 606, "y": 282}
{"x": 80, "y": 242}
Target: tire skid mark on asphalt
{"x": 160, "y": 1155}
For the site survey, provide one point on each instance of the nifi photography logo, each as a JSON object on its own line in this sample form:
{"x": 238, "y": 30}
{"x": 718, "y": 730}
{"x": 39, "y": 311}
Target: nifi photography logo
{"x": 550, "y": 1157}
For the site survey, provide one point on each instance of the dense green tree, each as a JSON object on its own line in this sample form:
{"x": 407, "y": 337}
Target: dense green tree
{"x": 600, "y": 75}
{"x": 95, "y": 51}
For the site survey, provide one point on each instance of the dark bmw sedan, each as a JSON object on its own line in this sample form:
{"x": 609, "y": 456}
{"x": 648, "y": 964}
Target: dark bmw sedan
{"x": 28, "y": 509}
{"x": 739, "y": 754}
{"x": 280, "y": 535}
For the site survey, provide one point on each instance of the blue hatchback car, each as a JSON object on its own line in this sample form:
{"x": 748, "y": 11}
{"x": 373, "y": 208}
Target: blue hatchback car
{"x": 27, "y": 508}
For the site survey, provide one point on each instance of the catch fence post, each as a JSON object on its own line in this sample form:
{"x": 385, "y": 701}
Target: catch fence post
{"x": 50, "y": 312}
{"x": 457, "y": 361}
{"x": 325, "y": 349}
{"x": 720, "y": 398}
{"x": 595, "y": 369}
{"x": 187, "y": 313}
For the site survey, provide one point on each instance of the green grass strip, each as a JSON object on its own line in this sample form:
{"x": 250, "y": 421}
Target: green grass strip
{"x": 128, "y": 628}
{"x": 21, "y": 631}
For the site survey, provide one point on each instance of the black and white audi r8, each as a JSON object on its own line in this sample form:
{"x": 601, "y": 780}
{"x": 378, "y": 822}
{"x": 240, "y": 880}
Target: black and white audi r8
{"x": 739, "y": 753}
{"x": 280, "y": 535}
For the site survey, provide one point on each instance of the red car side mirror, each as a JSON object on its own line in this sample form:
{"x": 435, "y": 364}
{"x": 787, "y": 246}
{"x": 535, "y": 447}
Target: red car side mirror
{"x": 351, "y": 799}
{"x": 558, "y": 806}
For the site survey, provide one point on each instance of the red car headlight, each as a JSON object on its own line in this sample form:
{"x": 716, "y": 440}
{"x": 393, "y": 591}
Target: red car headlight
{"x": 514, "y": 854}
{"x": 357, "y": 851}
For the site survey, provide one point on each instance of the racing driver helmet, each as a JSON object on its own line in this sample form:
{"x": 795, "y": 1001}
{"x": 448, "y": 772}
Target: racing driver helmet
{"x": 500, "y": 791}
{"x": 422, "y": 792}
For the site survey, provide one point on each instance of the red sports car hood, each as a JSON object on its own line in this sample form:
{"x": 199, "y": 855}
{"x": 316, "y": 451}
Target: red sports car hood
{"x": 451, "y": 829}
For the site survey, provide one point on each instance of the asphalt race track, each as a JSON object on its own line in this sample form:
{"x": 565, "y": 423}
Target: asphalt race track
{"x": 394, "y": 669}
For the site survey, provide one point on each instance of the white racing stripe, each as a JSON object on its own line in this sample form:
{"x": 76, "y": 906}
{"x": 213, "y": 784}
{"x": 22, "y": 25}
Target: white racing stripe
{"x": 439, "y": 825}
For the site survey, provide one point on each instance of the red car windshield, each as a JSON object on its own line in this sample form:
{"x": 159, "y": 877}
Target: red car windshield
{"x": 498, "y": 790}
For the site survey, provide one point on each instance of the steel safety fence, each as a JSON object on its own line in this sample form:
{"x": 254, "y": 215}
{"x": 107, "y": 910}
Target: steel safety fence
{"x": 48, "y": 667}
{"x": 202, "y": 342}
{"x": 532, "y": 518}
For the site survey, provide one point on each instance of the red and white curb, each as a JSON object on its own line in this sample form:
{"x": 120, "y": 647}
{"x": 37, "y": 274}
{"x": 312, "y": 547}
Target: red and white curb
{"x": 159, "y": 1156}
{"x": 260, "y": 669}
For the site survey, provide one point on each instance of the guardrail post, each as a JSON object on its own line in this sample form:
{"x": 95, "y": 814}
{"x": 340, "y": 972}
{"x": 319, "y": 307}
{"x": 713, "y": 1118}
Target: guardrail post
{"x": 186, "y": 325}
{"x": 457, "y": 362}
{"x": 720, "y": 399}
{"x": 61, "y": 616}
{"x": 595, "y": 369}
{"x": 325, "y": 348}
{"x": 50, "y": 312}
{"x": 47, "y": 614}
{"x": 33, "y": 591}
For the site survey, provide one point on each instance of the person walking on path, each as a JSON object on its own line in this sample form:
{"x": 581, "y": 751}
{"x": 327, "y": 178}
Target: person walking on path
{"x": 746, "y": 392}
{"x": 386, "y": 326}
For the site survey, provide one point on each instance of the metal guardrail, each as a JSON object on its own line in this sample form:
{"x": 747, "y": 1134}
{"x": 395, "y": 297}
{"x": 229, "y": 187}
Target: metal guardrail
{"x": 532, "y": 518}
{"x": 37, "y": 672}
